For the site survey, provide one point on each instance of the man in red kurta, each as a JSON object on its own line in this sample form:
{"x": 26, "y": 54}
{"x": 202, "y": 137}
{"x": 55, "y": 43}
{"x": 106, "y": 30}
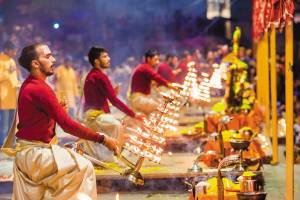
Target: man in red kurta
{"x": 42, "y": 169}
{"x": 98, "y": 90}
{"x": 182, "y": 67}
{"x": 167, "y": 68}
{"x": 140, "y": 90}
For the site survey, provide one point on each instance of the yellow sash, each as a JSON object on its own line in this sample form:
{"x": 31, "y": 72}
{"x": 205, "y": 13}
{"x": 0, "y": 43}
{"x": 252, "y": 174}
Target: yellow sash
{"x": 135, "y": 95}
{"x": 23, "y": 144}
{"x": 92, "y": 114}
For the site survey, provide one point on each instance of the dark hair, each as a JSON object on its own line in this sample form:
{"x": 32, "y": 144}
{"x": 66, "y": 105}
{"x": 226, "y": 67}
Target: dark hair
{"x": 170, "y": 55}
{"x": 27, "y": 55}
{"x": 151, "y": 53}
{"x": 94, "y": 53}
{"x": 8, "y": 45}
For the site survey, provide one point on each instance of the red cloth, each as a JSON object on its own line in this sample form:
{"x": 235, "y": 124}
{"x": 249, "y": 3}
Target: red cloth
{"x": 142, "y": 77}
{"x": 268, "y": 12}
{"x": 39, "y": 110}
{"x": 98, "y": 90}
{"x": 282, "y": 11}
{"x": 182, "y": 74}
{"x": 166, "y": 72}
{"x": 261, "y": 17}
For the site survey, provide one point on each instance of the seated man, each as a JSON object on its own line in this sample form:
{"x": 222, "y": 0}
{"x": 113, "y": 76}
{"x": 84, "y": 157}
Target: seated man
{"x": 98, "y": 90}
{"x": 140, "y": 97}
{"x": 42, "y": 169}
{"x": 167, "y": 68}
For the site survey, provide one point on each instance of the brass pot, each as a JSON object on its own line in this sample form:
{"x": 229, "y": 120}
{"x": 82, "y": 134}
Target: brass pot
{"x": 248, "y": 185}
{"x": 248, "y": 182}
{"x": 239, "y": 144}
{"x": 251, "y": 195}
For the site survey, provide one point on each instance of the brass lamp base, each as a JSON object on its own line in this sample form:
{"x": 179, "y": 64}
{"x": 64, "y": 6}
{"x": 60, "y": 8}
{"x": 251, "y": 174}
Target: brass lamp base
{"x": 135, "y": 177}
{"x": 132, "y": 173}
{"x": 195, "y": 168}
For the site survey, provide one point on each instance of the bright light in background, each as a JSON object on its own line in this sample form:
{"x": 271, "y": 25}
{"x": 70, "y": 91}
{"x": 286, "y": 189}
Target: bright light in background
{"x": 83, "y": 196}
{"x": 56, "y": 25}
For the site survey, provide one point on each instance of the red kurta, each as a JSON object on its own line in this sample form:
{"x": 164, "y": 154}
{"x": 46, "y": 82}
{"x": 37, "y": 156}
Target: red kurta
{"x": 166, "y": 72}
{"x": 184, "y": 70}
{"x": 97, "y": 91}
{"x": 142, "y": 77}
{"x": 39, "y": 110}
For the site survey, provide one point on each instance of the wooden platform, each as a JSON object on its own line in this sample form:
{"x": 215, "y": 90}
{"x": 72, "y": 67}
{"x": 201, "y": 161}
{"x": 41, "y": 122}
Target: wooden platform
{"x": 172, "y": 166}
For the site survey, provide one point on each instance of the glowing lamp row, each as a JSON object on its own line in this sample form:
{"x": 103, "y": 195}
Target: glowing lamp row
{"x": 145, "y": 145}
{"x": 143, "y": 153}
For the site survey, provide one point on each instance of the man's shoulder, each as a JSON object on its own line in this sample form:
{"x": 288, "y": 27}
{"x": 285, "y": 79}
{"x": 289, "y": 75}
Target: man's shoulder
{"x": 144, "y": 67}
{"x": 36, "y": 86}
{"x": 90, "y": 74}
{"x": 163, "y": 66}
{"x": 4, "y": 57}
{"x": 96, "y": 75}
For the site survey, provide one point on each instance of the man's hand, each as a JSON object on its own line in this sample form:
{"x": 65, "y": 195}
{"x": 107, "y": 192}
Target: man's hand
{"x": 175, "y": 86}
{"x": 111, "y": 144}
{"x": 140, "y": 116}
{"x": 177, "y": 71}
{"x": 117, "y": 89}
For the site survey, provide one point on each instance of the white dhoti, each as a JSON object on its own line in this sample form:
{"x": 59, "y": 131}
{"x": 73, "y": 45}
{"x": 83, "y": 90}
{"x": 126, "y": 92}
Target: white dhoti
{"x": 143, "y": 103}
{"x": 46, "y": 171}
{"x": 105, "y": 123}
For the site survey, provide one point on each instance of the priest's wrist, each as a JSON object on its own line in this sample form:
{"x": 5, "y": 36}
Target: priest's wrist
{"x": 101, "y": 138}
{"x": 104, "y": 140}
